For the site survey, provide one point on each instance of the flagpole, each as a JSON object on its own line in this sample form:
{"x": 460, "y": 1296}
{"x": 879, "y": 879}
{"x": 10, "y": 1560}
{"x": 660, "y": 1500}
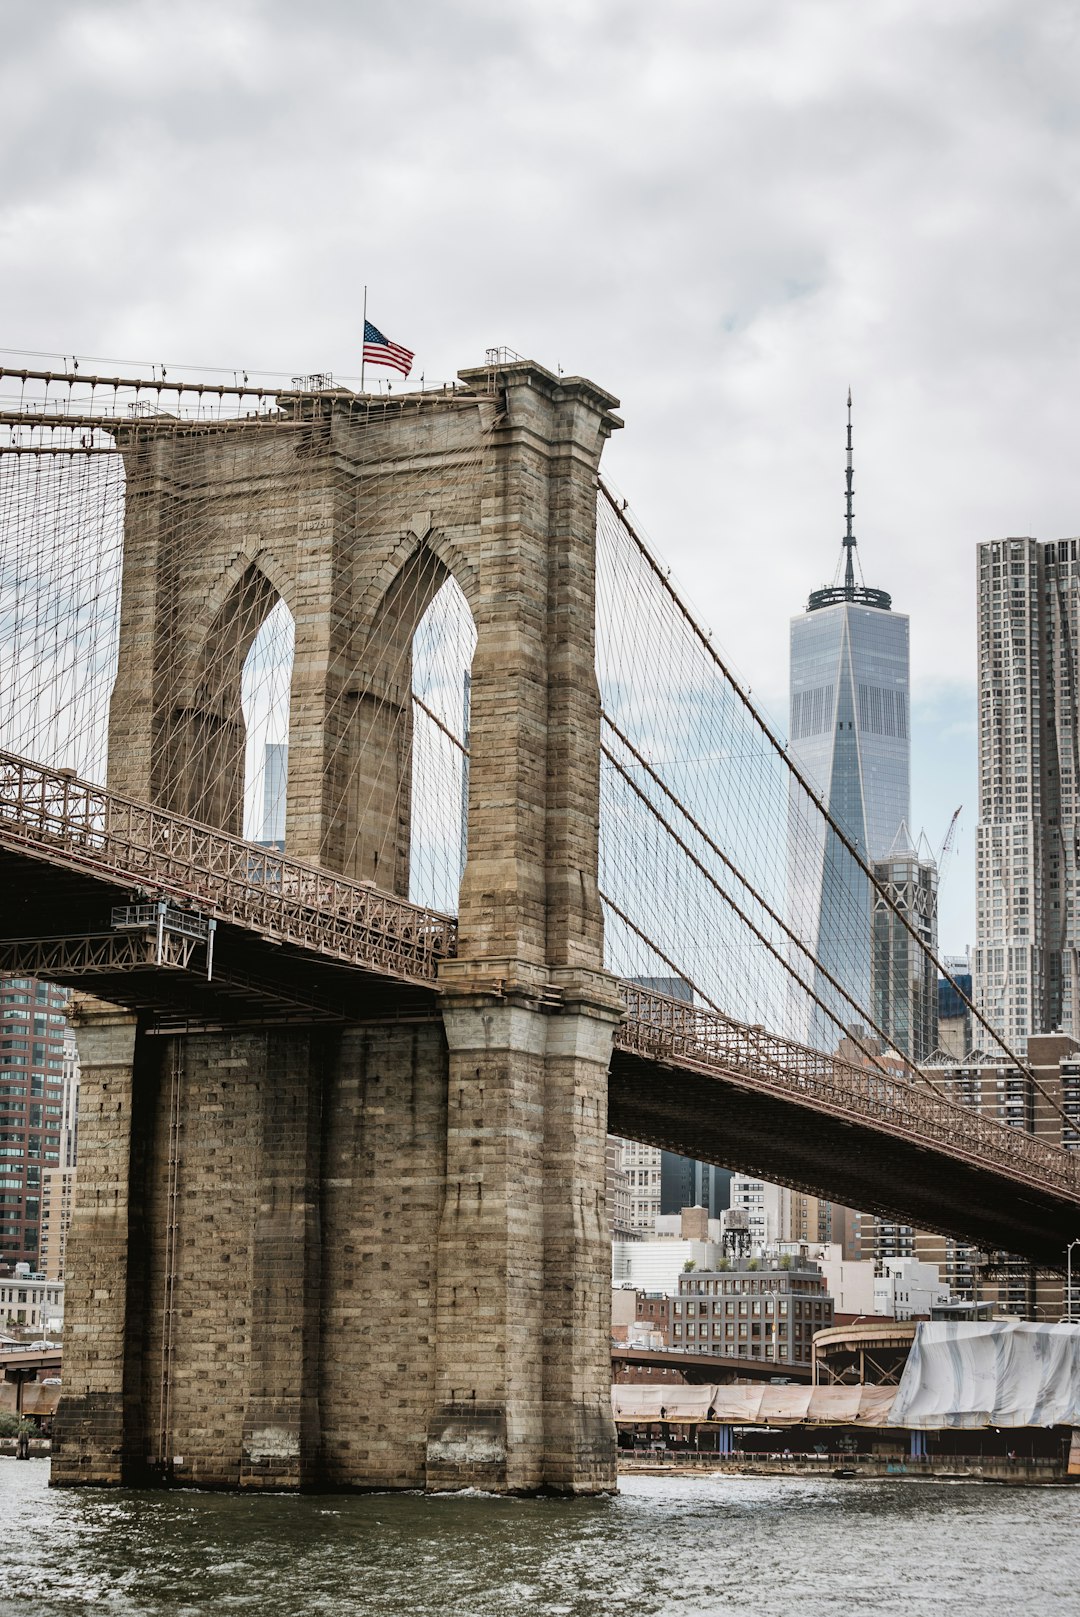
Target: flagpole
{"x": 363, "y": 335}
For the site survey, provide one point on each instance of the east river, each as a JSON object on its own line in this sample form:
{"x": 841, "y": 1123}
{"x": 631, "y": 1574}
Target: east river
{"x": 755, "y": 1547}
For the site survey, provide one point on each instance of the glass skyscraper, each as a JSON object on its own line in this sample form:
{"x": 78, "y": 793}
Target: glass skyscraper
{"x": 849, "y": 734}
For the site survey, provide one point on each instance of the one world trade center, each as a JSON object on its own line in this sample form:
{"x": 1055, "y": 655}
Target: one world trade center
{"x": 849, "y": 734}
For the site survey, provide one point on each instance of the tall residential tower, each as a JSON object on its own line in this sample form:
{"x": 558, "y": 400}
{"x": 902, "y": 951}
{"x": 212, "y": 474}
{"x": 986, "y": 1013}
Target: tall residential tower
{"x": 1027, "y": 866}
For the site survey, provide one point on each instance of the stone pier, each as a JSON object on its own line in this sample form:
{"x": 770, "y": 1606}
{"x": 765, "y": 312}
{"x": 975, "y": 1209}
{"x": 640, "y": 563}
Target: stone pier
{"x": 374, "y": 1253}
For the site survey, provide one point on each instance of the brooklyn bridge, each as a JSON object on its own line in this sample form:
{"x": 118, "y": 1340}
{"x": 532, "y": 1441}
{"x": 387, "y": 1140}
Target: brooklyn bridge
{"x": 544, "y": 871}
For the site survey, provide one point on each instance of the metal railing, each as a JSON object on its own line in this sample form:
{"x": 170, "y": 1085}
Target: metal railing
{"x": 682, "y": 1034}
{"x": 52, "y": 814}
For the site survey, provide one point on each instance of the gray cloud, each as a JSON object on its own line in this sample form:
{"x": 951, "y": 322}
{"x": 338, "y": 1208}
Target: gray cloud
{"x": 724, "y": 213}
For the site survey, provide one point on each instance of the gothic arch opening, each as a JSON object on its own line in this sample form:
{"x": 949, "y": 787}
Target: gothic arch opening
{"x": 442, "y": 654}
{"x": 265, "y": 686}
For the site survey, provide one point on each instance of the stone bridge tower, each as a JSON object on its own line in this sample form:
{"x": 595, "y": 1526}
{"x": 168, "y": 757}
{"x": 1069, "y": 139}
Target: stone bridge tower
{"x": 375, "y": 1254}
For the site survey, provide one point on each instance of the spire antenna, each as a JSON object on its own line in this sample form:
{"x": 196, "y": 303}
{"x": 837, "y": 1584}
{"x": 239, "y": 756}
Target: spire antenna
{"x": 835, "y": 594}
{"x": 849, "y": 530}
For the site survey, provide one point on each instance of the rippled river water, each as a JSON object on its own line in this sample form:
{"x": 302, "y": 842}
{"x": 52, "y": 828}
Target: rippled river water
{"x": 769, "y": 1547}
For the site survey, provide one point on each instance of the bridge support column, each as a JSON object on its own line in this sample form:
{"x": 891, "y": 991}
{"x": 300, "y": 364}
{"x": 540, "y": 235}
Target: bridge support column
{"x": 522, "y": 1396}
{"x": 579, "y": 1430}
{"x": 97, "y": 1434}
{"x": 523, "y": 1362}
{"x": 280, "y": 1436}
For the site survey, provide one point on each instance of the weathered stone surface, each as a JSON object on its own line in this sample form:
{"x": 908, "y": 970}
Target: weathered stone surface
{"x": 377, "y": 1256}
{"x": 97, "y": 1433}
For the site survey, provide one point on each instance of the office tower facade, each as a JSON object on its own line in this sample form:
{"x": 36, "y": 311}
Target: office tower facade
{"x": 1026, "y": 936}
{"x": 686, "y": 1183}
{"x": 955, "y": 1035}
{"x": 33, "y": 1025}
{"x": 274, "y": 783}
{"x": 903, "y": 975}
{"x": 849, "y": 732}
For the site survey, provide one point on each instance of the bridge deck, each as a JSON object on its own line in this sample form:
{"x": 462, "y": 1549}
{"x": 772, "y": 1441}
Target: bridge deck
{"x": 295, "y": 942}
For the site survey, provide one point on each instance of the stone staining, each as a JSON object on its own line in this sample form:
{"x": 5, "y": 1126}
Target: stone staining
{"x": 374, "y": 1255}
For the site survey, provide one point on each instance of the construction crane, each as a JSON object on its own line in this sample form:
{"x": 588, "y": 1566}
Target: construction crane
{"x": 946, "y": 845}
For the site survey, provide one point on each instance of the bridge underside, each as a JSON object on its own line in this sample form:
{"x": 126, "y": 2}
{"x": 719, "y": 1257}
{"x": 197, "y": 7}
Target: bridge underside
{"x": 259, "y": 982}
{"x": 728, "y": 1122}
{"x": 255, "y": 981}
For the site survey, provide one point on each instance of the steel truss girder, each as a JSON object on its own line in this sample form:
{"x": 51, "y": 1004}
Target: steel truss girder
{"x": 51, "y": 814}
{"x": 95, "y": 954}
{"x": 678, "y": 1033}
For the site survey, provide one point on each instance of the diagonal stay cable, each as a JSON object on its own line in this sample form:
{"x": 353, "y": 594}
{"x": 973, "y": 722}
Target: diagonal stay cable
{"x": 728, "y": 1021}
{"x": 739, "y": 911}
{"x": 730, "y": 865}
{"x": 782, "y": 752}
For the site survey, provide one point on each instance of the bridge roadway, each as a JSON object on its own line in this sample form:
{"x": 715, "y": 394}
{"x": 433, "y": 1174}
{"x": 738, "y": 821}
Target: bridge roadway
{"x": 116, "y": 897}
{"x": 697, "y": 1369}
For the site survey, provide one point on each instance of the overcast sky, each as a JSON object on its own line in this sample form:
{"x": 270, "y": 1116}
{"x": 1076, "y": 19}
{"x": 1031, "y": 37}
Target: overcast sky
{"x": 722, "y": 210}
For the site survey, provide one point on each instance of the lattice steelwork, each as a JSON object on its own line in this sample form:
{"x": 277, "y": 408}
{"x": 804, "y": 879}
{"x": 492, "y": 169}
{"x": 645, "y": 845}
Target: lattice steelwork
{"x": 701, "y": 805}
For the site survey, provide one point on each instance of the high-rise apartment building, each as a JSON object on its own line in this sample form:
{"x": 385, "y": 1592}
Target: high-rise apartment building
{"x": 767, "y": 1208}
{"x": 618, "y": 1193}
{"x": 641, "y": 1165}
{"x": 1026, "y": 934}
{"x": 57, "y": 1204}
{"x": 69, "y": 1103}
{"x": 849, "y": 732}
{"x": 33, "y": 1025}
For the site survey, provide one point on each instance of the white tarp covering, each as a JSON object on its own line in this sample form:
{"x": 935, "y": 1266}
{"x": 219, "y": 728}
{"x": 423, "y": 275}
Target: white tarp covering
{"x": 758, "y": 1405}
{"x": 1002, "y": 1373}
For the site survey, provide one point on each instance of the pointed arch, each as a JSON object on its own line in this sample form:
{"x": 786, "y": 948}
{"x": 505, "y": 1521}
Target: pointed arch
{"x": 206, "y": 725}
{"x": 237, "y": 578}
{"x": 442, "y": 653}
{"x": 265, "y": 694}
{"x": 421, "y": 551}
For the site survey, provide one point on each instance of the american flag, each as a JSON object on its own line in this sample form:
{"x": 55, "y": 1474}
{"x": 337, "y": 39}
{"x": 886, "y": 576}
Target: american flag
{"x": 378, "y": 350}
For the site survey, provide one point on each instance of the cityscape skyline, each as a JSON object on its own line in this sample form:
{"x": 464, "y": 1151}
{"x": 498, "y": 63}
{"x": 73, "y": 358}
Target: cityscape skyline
{"x": 780, "y": 278}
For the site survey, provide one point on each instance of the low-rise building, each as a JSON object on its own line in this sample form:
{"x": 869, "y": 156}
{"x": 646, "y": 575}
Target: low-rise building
{"x": 752, "y": 1309}
{"x": 849, "y": 1281}
{"x": 908, "y": 1289}
{"x": 690, "y": 1240}
{"x": 31, "y": 1302}
{"x": 639, "y": 1318}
